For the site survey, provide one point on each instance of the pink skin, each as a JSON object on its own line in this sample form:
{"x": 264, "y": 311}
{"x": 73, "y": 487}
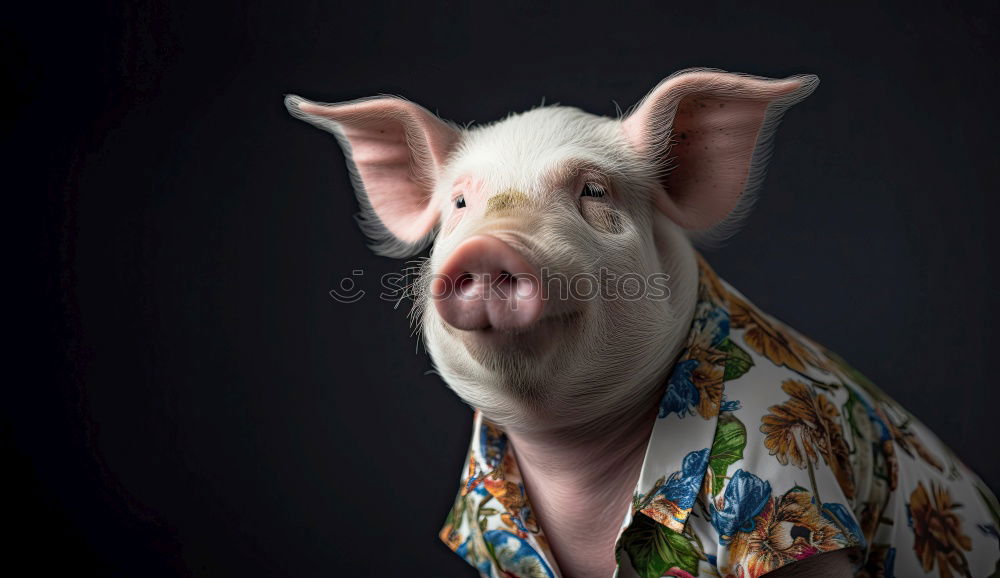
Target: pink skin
{"x": 577, "y": 486}
{"x": 715, "y": 121}
{"x": 486, "y": 284}
{"x": 385, "y": 135}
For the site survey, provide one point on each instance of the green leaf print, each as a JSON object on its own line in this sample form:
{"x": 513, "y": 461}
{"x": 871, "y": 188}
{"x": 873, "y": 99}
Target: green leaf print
{"x": 727, "y": 449}
{"x": 653, "y": 548}
{"x": 737, "y": 363}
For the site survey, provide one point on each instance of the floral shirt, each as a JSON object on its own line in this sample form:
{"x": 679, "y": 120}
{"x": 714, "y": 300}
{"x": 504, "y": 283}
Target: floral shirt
{"x": 767, "y": 449}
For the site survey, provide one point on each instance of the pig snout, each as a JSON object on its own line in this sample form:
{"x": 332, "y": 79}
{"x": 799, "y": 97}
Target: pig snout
{"x": 485, "y": 283}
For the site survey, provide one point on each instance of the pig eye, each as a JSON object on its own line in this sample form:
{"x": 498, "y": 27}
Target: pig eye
{"x": 592, "y": 190}
{"x": 460, "y": 202}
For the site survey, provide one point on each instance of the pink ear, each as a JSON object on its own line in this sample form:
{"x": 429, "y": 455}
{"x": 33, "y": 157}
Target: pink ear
{"x": 395, "y": 150}
{"x": 712, "y": 130}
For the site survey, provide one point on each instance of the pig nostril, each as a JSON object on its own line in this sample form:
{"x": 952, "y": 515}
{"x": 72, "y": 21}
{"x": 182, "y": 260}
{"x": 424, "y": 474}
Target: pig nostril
{"x": 525, "y": 287}
{"x": 464, "y": 284}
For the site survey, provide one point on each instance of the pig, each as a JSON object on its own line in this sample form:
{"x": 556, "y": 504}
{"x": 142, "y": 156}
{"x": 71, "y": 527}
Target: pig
{"x": 673, "y": 430}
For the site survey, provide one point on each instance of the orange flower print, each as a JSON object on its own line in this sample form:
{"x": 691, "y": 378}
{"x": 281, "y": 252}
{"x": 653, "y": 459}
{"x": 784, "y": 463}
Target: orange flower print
{"x": 504, "y": 484}
{"x": 909, "y": 442}
{"x": 450, "y": 536}
{"x": 519, "y": 516}
{"x": 789, "y": 528}
{"x": 707, "y": 378}
{"x": 771, "y": 340}
{"x": 937, "y": 531}
{"x": 695, "y": 383}
{"x": 806, "y": 427}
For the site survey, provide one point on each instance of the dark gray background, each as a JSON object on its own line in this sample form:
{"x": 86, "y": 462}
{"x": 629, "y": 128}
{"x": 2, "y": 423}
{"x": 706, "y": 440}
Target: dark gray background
{"x": 186, "y": 398}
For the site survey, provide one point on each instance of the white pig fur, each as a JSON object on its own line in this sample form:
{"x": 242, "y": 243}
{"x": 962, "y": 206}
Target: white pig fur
{"x": 618, "y": 360}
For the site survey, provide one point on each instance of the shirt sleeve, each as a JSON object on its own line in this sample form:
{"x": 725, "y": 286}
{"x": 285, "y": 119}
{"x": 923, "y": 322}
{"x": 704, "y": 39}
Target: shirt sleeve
{"x": 778, "y": 484}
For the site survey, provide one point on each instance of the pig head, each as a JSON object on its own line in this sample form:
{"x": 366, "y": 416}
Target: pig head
{"x": 561, "y": 281}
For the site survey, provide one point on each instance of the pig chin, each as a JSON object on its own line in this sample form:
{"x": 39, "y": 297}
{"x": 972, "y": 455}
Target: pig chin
{"x": 511, "y": 360}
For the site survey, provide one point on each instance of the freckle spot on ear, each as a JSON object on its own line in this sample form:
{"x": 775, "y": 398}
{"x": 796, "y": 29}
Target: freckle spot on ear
{"x": 684, "y": 135}
{"x": 722, "y": 105}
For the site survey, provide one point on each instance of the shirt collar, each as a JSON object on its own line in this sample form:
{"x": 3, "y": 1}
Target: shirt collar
{"x": 492, "y": 525}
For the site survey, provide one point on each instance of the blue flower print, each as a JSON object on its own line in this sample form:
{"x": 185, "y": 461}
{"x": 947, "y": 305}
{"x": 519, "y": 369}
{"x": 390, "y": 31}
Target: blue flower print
{"x": 727, "y": 405}
{"x": 883, "y": 430}
{"x": 681, "y": 396}
{"x": 463, "y": 549}
{"x": 682, "y": 487}
{"x": 838, "y": 513}
{"x": 890, "y": 563}
{"x": 483, "y": 565}
{"x": 492, "y": 444}
{"x": 515, "y": 556}
{"x": 717, "y": 321}
{"x": 745, "y": 496}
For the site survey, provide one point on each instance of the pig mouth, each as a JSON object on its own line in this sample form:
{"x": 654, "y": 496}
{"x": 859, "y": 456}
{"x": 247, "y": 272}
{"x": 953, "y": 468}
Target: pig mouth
{"x": 536, "y": 338}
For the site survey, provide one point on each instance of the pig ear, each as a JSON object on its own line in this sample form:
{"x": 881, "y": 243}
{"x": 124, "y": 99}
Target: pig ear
{"x": 395, "y": 151}
{"x": 708, "y": 133}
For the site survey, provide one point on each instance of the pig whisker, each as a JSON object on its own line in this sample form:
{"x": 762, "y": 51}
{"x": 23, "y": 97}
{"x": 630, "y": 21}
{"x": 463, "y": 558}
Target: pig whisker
{"x": 419, "y": 271}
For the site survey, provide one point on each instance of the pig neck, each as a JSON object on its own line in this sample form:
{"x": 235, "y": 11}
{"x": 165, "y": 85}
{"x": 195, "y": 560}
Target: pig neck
{"x": 579, "y": 492}
{"x": 580, "y": 480}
